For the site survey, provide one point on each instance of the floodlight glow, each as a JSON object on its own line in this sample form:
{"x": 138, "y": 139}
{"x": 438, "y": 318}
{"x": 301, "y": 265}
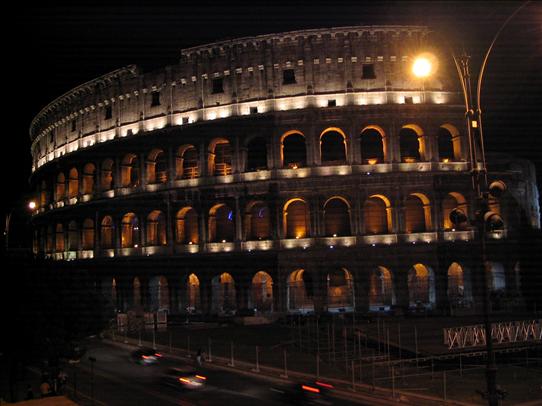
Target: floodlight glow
{"x": 422, "y": 67}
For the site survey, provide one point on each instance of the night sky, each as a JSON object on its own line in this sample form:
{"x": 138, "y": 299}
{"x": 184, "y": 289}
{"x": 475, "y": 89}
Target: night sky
{"x": 55, "y": 46}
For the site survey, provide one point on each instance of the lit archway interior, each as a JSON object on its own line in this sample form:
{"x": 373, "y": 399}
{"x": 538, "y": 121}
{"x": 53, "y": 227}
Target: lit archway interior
{"x": 224, "y": 294}
{"x": 337, "y": 217}
{"x": 262, "y": 292}
{"x": 340, "y": 290}
{"x": 300, "y": 298}
{"x": 421, "y": 286}
{"x": 381, "y": 293}
{"x": 186, "y": 226}
{"x": 193, "y": 294}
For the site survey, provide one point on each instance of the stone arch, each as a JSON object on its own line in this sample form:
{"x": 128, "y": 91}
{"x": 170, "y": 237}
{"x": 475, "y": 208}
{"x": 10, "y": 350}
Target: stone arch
{"x": 333, "y": 146}
{"x": 186, "y": 226}
{"x": 337, "y": 217}
{"x": 256, "y": 154}
{"x": 89, "y": 178}
{"x": 107, "y": 233}
{"x": 157, "y": 167}
{"x": 44, "y": 193}
{"x": 60, "y": 187}
{"x": 299, "y": 294}
{"x": 377, "y": 215}
{"x": 220, "y": 157}
{"x": 130, "y": 231}
{"x": 107, "y": 174}
{"x": 458, "y": 292}
{"x": 295, "y": 215}
{"x": 73, "y": 236}
{"x": 293, "y": 149}
{"x": 372, "y": 146}
{"x": 159, "y": 293}
{"x": 187, "y": 162}
{"x": 340, "y": 291}
{"x": 221, "y": 223}
{"x": 87, "y": 236}
{"x": 417, "y": 213}
{"x": 450, "y": 145}
{"x": 411, "y": 143}
{"x": 257, "y": 221}
{"x": 193, "y": 299}
{"x": 261, "y": 292}
{"x": 381, "y": 292}
{"x": 451, "y": 201}
{"x": 421, "y": 286}
{"x": 156, "y": 229}
{"x": 130, "y": 176}
{"x": 73, "y": 183}
{"x": 224, "y": 294}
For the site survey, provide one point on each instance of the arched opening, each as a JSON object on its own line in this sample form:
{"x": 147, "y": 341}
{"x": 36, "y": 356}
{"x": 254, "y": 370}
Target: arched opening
{"x": 50, "y": 239}
{"x": 187, "y": 163}
{"x": 159, "y": 292}
{"x": 130, "y": 231}
{"x": 73, "y": 183}
{"x": 73, "y": 236}
{"x": 193, "y": 294}
{"x": 381, "y": 294}
{"x": 445, "y": 145}
{"x": 130, "y": 171}
{"x": 114, "y": 297}
{"x": 340, "y": 291}
{"x": 453, "y": 200}
{"x": 257, "y": 222}
{"x": 262, "y": 292}
{"x": 156, "y": 228}
{"x": 59, "y": 238}
{"x": 224, "y": 294}
{"x": 333, "y": 147}
{"x": 337, "y": 217}
{"x": 410, "y": 146}
{"x": 186, "y": 226}
{"x": 89, "y": 178}
{"x": 221, "y": 224}
{"x": 60, "y": 187}
{"x": 220, "y": 157}
{"x": 300, "y": 298}
{"x": 107, "y": 178}
{"x": 256, "y": 154}
{"x": 421, "y": 286}
{"x": 106, "y": 233}
{"x": 87, "y": 242}
{"x": 372, "y": 145}
{"x": 497, "y": 276}
{"x": 294, "y": 152}
{"x": 44, "y": 194}
{"x": 451, "y": 143}
{"x": 456, "y": 284}
{"x": 377, "y": 215}
{"x": 157, "y": 167}
{"x": 417, "y": 214}
{"x": 137, "y": 292}
{"x": 296, "y": 219}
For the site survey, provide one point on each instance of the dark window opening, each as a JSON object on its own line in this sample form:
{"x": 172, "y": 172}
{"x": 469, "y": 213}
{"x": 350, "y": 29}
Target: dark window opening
{"x": 51, "y": 137}
{"x": 108, "y": 112}
{"x": 256, "y": 155}
{"x": 288, "y": 77}
{"x": 332, "y": 103}
{"x": 333, "y": 148}
{"x": 408, "y": 100}
{"x": 368, "y": 71}
{"x": 253, "y": 110}
{"x": 218, "y": 86}
{"x": 445, "y": 145}
{"x": 155, "y": 99}
{"x": 409, "y": 145}
{"x": 185, "y": 120}
{"x": 74, "y": 125}
{"x": 294, "y": 152}
{"x": 372, "y": 150}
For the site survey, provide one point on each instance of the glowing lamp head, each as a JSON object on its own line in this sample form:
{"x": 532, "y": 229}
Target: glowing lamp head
{"x": 421, "y": 67}
{"x": 31, "y": 205}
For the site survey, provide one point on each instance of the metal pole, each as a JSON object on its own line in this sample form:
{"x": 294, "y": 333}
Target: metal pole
{"x": 460, "y": 364}
{"x": 153, "y": 339}
{"x": 170, "y": 346}
{"x": 353, "y": 377}
{"x": 317, "y": 365}
{"x": 444, "y": 385}
{"x": 399, "y": 338}
{"x": 139, "y": 340}
{"x": 210, "y": 355}
{"x": 232, "y": 361}
{"x": 373, "y": 365}
{"x": 188, "y": 346}
{"x": 257, "y": 360}
{"x": 416, "y": 344}
{"x": 285, "y": 365}
{"x": 393, "y": 382}
{"x": 345, "y": 350}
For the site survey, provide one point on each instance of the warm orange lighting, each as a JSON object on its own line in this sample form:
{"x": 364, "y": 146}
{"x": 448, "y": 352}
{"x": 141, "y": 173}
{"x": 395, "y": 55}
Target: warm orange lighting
{"x": 185, "y": 380}
{"x": 201, "y": 377}
{"x": 310, "y": 389}
{"x": 325, "y": 385}
{"x": 445, "y": 160}
{"x": 424, "y": 65}
{"x": 372, "y": 161}
{"x": 474, "y": 124}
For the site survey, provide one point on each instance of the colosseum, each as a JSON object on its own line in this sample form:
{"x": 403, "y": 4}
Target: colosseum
{"x": 300, "y": 172}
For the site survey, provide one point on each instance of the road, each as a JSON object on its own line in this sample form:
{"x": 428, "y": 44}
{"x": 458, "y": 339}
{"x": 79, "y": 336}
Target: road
{"x": 118, "y": 381}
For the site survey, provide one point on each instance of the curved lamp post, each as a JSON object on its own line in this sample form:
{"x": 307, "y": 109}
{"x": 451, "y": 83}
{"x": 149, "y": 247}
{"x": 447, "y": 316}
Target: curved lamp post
{"x": 485, "y": 219}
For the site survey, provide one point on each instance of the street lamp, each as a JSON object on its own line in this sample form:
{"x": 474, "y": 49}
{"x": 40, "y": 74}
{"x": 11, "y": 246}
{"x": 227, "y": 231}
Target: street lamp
{"x": 485, "y": 219}
{"x": 31, "y": 205}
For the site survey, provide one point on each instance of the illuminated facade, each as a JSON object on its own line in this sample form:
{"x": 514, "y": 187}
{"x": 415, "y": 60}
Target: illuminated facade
{"x": 295, "y": 172}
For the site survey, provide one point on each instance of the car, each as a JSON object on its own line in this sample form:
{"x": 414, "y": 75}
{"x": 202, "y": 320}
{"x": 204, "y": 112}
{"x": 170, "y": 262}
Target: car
{"x": 184, "y": 377}
{"x": 146, "y": 356}
{"x": 304, "y": 393}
